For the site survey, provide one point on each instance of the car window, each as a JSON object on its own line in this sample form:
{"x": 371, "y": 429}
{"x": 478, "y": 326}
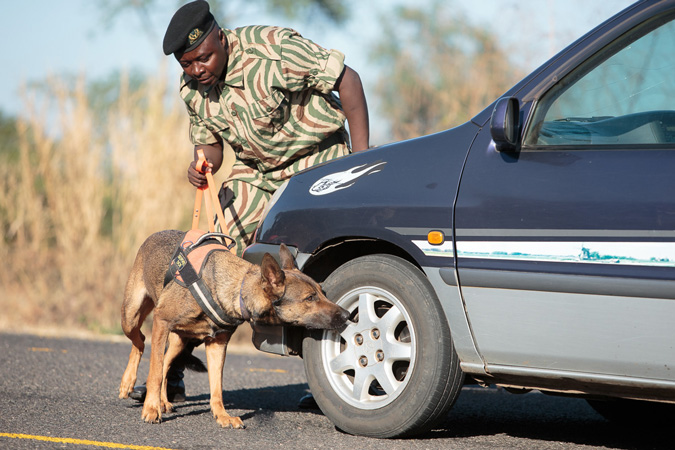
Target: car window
{"x": 627, "y": 97}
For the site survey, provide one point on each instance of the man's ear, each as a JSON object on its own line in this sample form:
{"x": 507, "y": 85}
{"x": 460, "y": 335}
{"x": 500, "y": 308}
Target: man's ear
{"x": 271, "y": 272}
{"x": 287, "y": 259}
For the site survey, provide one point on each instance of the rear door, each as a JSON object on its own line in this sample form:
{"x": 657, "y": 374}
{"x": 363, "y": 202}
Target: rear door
{"x": 566, "y": 249}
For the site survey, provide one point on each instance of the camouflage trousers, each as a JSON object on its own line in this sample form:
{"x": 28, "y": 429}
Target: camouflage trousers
{"x": 243, "y": 205}
{"x": 247, "y": 191}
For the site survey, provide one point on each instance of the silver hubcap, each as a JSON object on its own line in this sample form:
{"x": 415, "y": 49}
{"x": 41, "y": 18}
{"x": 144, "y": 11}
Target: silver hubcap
{"x": 369, "y": 362}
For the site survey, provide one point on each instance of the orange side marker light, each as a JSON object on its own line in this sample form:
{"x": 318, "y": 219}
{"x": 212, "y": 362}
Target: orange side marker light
{"x": 435, "y": 237}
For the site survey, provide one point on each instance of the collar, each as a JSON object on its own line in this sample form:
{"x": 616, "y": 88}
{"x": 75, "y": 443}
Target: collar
{"x": 245, "y": 313}
{"x": 234, "y": 72}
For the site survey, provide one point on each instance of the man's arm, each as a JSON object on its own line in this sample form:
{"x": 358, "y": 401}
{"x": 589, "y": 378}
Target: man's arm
{"x": 354, "y": 105}
{"x": 214, "y": 155}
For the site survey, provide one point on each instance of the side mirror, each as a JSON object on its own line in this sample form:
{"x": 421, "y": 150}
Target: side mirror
{"x": 505, "y": 124}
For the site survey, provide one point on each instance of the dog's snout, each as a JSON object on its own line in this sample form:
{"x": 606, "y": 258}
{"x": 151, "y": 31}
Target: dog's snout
{"x": 344, "y": 315}
{"x": 342, "y": 318}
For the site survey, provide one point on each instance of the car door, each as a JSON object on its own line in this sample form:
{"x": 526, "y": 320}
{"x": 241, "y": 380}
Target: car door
{"x": 566, "y": 248}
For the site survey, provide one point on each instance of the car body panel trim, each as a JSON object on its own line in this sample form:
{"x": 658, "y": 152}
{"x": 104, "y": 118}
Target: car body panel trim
{"x": 449, "y": 276}
{"x": 635, "y": 234}
{"x": 660, "y": 254}
{"x": 444, "y": 250}
{"x": 565, "y": 283}
{"x": 647, "y": 383}
{"x": 414, "y": 231}
{"x": 573, "y": 383}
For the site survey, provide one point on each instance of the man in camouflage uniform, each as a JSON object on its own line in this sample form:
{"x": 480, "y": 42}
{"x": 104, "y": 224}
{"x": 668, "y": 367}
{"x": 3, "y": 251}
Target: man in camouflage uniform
{"x": 267, "y": 94}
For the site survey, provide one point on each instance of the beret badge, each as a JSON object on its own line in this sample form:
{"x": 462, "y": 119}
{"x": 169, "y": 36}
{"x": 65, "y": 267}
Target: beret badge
{"x": 194, "y": 35}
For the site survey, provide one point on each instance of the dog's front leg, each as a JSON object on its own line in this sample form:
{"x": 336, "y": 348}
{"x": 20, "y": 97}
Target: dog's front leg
{"x": 152, "y": 411}
{"x": 215, "y": 359}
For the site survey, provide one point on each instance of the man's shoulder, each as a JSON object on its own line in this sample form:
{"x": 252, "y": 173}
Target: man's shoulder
{"x": 263, "y": 34}
{"x": 188, "y": 88}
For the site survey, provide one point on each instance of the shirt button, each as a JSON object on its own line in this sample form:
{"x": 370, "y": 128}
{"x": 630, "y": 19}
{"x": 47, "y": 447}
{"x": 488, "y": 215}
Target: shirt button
{"x": 269, "y": 109}
{"x": 314, "y": 71}
{"x": 249, "y": 50}
{"x": 234, "y": 112}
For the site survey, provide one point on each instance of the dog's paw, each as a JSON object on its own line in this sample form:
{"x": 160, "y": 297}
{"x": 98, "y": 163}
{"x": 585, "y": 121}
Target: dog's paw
{"x": 127, "y": 385}
{"x": 151, "y": 414}
{"x": 167, "y": 407}
{"x": 230, "y": 422}
{"x": 125, "y": 391}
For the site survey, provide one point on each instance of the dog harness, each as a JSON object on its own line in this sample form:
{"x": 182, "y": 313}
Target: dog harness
{"x": 193, "y": 252}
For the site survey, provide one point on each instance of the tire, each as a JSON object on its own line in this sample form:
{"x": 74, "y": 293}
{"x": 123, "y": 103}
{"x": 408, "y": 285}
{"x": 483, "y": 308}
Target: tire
{"x": 393, "y": 372}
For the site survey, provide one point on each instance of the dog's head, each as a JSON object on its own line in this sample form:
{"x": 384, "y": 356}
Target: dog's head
{"x": 296, "y": 298}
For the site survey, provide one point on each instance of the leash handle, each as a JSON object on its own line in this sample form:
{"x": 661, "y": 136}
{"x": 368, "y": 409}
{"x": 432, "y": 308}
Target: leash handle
{"x": 197, "y": 209}
{"x": 199, "y": 166}
{"x": 211, "y": 199}
{"x": 214, "y": 199}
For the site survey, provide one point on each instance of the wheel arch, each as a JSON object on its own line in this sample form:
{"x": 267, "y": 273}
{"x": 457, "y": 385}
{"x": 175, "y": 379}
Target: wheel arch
{"x": 334, "y": 253}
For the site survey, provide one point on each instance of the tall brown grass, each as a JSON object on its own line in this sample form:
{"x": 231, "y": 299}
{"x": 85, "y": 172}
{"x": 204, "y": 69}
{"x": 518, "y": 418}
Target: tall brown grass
{"x": 83, "y": 196}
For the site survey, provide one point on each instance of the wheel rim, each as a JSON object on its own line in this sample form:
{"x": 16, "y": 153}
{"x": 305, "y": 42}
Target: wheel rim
{"x": 369, "y": 363}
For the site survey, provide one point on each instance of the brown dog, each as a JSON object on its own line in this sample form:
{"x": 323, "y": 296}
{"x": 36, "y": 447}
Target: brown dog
{"x": 269, "y": 294}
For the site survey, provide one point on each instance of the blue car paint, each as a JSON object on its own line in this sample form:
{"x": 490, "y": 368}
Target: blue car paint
{"x": 456, "y": 182}
{"x": 404, "y": 195}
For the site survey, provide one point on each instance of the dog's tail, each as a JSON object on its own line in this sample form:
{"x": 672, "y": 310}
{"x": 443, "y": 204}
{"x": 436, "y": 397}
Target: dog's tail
{"x": 186, "y": 360}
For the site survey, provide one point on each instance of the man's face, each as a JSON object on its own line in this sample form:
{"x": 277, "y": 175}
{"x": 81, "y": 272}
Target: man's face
{"x": 207, "y": 62}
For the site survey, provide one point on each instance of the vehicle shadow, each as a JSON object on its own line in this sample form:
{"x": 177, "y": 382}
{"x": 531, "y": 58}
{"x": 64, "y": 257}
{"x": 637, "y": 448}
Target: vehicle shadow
{"x": 535, "y": 416}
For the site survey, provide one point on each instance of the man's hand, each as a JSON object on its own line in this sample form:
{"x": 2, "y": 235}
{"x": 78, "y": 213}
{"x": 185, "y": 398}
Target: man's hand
{"x": 196, "y": 178}
{"x": 214, "y": 158}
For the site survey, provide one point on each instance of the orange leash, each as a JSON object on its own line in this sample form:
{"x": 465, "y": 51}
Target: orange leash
{"x": 211, "y": 200}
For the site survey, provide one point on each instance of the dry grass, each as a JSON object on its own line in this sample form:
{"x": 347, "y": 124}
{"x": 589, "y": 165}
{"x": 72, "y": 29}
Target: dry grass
{"x": 83, "y": 198}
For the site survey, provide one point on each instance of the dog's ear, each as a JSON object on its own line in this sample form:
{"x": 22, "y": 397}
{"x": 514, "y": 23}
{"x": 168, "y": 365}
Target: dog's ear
{"x": 287, "y": 259}
{"x": 272, "y": 273}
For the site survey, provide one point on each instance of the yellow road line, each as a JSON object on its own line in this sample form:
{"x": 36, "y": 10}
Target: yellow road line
{"x": 45, "y": 349}
{"x": 267, "y": 370}
{"x": 79, "y": 441}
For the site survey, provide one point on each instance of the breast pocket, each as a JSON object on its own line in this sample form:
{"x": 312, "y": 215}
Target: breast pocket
{"x": 269, "y": 115}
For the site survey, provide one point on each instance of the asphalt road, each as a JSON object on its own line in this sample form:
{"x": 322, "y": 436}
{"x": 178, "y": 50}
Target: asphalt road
{"x": 62, "y": 393}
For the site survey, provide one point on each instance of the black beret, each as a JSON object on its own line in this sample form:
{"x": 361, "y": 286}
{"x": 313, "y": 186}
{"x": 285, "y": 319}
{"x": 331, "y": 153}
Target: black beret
{"x": 188, "y": 28}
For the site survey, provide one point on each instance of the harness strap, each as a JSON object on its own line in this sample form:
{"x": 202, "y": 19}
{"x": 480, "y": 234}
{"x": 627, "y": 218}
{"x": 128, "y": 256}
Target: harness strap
{"x": 182, "y": 270}
{"x": 204, "y": 299}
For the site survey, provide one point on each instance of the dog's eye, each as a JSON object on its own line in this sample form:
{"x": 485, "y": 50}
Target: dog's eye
{"x": 311, "y": 298}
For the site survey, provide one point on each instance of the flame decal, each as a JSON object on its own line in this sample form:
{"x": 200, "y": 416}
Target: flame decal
{"x": 342, "y": 180}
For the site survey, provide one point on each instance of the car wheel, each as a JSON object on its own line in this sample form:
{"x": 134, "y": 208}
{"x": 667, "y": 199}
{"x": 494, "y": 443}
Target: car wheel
{"x": 393, "y": 371}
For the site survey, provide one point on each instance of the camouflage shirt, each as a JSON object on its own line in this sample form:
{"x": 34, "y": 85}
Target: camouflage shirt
{"x": 275, "y": 106}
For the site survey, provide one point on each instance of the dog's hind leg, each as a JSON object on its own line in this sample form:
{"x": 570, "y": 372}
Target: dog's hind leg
{"x": 215, "y": 360}
{"x": 176, "y": 346}
{"x": 152, "y": 411}
{"x": 136, "y": 307}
